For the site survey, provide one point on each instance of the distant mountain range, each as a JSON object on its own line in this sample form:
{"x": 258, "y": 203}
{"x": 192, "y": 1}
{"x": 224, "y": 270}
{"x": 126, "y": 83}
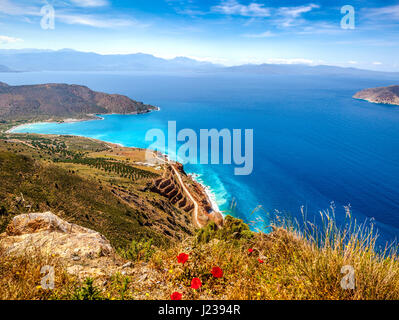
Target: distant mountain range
{"x": 62, "y": 100}
{"x": 385, "y": 95}
{"x": 70, "y": 60}
{"x": 5, "y": 69}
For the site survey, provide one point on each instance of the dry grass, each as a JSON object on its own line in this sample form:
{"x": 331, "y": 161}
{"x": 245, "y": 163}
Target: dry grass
{"x": 299, "y": 265}
{"x": 21, "y": 277}
{"x": 302, "y": 264}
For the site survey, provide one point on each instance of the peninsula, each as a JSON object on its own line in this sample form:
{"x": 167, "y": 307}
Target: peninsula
{"x": 60, "y": 101}
{"x": 384, "y": 95}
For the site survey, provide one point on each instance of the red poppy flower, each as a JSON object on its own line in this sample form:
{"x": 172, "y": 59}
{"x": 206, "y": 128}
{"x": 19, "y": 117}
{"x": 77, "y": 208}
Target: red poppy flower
{"x": 250, "y": 250}
{"x": 176, "y": 296}
{"x": 182, "y": 258}
{"x": 260, "y": 261}
{"x": 196, "y": 283}
{"x": 217, "y": 272}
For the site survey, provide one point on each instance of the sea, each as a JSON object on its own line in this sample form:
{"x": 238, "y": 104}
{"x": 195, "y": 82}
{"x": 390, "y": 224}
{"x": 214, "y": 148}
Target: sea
{"x": 314, "y": 147}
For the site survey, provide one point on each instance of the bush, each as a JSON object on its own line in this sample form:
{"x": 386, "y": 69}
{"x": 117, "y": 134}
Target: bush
{"x": 88, "y": 292}
{"x": 141, "y": 250}
{"x": 233, "y": 229}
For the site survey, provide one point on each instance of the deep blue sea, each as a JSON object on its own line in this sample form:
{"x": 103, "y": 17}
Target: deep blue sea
{"x": 313, "y": 143}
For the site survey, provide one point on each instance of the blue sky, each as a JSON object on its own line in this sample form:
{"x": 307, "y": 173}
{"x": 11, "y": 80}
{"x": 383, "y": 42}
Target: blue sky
{"x": 230, "y": 32}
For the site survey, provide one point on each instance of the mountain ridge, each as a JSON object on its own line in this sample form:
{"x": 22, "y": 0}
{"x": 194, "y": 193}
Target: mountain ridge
{"x": 72, "y": 60}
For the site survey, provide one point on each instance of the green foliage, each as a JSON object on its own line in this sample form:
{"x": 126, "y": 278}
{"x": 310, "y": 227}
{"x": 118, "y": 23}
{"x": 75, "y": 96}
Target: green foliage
{"x": 233, "y": 229}
{"x": 120, "y": 285}
{"x": 121, "y": 169}
{"x": 47, "y": 187}
{"x": 88, "y": 291}
{"x": 141, "y": 250}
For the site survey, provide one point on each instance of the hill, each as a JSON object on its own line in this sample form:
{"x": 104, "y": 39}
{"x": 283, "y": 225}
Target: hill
{"x": 91, "y": 183}
{"x": 61, "y": 101}
{"x": 385, "y": 95}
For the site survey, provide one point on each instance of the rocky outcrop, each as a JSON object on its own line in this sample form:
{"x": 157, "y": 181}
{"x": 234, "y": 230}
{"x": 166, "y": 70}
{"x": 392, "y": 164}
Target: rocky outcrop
{"x": 385, "y": 95}
{"x": 63, "y": 100}
{"x": 84, "y": 252}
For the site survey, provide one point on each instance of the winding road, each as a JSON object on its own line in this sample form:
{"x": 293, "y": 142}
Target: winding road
{"x": 196, "y": 206}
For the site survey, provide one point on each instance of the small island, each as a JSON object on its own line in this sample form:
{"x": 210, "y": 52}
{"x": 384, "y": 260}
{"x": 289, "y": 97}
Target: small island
{"x": 384, "y": 95}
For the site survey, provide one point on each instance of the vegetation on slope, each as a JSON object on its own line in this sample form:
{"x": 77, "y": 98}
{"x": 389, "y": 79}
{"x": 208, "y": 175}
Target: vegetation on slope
{"x": 286, "y": 264}
{"x": 105, "y": 188}
{"x": 49, "y": 173}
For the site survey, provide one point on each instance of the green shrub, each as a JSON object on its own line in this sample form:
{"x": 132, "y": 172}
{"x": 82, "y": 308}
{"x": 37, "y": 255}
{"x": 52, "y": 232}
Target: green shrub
{"x": 88, "y": 291}
{"x": 233, "y": 229}
{"x": 141, "y": 250}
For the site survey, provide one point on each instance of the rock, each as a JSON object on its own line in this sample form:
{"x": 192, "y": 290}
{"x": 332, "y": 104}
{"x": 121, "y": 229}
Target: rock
{"x": 127, "y": 265}
{"x": 83, "y": 251}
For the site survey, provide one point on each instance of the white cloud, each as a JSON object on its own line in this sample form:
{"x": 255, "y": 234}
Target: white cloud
{"x": 377, "y": 63}
{"x": 291, "y": 16}
{"x": 232, "y": 7}
{"x": 291, "y": 61}
{"x": 90, "y": 3}
{"x": 353, "y": 62}
{"x": 97, "y": 21}
{"x": 70, "y": 17}
{"x": 383, "y": 12}
{"x": 295, "y": 12}
{"x": 7, "y": 40}
{"x": 9, "y": 8}
{"x": 266, "y": 34}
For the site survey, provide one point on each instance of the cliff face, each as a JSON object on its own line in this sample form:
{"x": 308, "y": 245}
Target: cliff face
{"x": 386, "y": 95}
{"x": 62, "y": 100}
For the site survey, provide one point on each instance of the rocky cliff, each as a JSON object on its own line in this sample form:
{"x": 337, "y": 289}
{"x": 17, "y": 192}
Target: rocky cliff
{"x": 385, "y": 95}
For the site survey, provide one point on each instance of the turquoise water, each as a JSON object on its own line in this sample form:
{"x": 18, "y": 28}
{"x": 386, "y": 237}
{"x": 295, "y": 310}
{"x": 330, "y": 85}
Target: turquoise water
{"x": 314, "y": 144}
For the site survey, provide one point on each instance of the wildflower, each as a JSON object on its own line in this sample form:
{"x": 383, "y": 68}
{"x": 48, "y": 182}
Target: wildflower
{"x": 38, "y": 287}
{"x": 176, "y": 296}
{"x": 182, "y": 258}
{"x": 250, "y": 250}
{"x": 196, "y": 283}
{"x": 217, "y": 272}
{"x": 260, "y": 260}
{"x": 170, "y": 271}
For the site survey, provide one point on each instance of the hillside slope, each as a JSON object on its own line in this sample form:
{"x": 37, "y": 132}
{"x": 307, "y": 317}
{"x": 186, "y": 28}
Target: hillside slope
{"x": 385, "y": 95}
{"x": 100, "y": 186}
{"x": 62, "y": 100}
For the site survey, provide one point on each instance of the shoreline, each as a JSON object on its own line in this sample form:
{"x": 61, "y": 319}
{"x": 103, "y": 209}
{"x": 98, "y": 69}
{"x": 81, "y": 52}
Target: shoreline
{"x": 211, "y": 195}
{"x": 93, "y": 117}
{"x": 193, "y": 176}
